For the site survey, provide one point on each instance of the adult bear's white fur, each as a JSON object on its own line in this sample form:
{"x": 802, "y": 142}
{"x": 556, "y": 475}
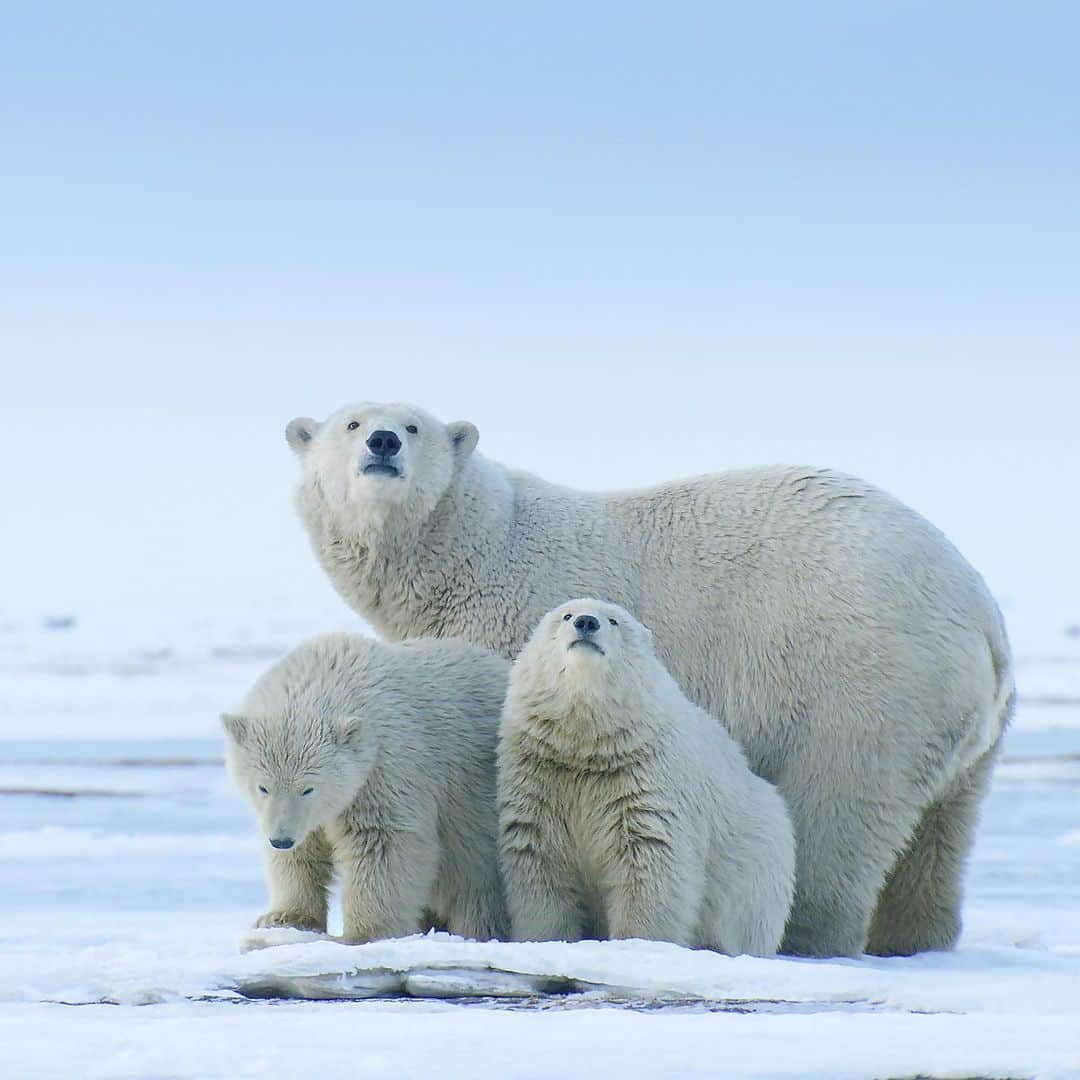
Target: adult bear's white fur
{"x": 842, "y": 640}
{"x": 377, "y": 761}
{"x": 626, "y": 811}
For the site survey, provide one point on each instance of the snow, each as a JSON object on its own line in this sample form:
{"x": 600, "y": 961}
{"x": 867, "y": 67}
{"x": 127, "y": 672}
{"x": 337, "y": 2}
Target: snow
{"x": 132, "y": 875}
{"x": 421, "y": 1040}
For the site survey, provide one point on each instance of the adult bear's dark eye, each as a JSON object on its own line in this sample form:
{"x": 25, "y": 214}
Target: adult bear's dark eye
{"x": 307, "y": 791}
{"x": 354, "y": 424}
{"x": 613, "y": 622}
{"x": 263, "y": 791}
{"x": 410, "y": 428}
{"x": 568, "y": 616}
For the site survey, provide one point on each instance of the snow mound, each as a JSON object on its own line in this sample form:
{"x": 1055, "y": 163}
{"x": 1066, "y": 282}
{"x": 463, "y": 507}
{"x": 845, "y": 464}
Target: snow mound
{"x": 987, "y": 979}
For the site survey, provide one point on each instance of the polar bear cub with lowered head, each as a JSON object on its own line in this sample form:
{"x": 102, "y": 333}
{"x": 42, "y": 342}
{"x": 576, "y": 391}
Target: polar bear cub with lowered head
{"x": 625, "y": 811}
{"x": 377, "y": 762}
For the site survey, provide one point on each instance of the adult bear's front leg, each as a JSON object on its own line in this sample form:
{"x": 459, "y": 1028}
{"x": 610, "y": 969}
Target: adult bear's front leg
{"x": 297, "y": 881}
{"x": 845, "y": 846}
{"x": 387, "y": 877}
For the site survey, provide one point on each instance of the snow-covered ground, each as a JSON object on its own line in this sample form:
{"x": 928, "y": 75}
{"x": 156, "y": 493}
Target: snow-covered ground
{"x": 131, "y": 872}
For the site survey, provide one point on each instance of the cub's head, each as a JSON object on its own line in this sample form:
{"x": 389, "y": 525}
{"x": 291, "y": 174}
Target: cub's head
{"x": 372, "y": 461}
{"x": 589, "y": 647}
{"x": 298, "y": 772}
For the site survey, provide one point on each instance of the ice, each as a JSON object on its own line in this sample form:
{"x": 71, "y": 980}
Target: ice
{"x": 132, "y": 875}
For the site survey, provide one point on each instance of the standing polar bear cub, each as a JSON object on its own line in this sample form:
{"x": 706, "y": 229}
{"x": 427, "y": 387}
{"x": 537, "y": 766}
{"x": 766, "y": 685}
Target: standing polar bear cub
{"x": 377, "y": 762}
{"x": 851, "y": 651}
{"x": 625, "y": 811}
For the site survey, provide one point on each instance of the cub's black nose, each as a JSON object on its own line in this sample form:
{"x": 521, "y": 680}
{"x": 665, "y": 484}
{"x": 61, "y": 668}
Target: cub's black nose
{"x": 282, "y": 843}
{"x": 383, "y": 443}
{"x": 586, "y": 624}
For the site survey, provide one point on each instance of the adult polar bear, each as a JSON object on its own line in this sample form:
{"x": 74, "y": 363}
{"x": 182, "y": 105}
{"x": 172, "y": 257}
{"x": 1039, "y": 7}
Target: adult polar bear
{"x": 846, "y": 644}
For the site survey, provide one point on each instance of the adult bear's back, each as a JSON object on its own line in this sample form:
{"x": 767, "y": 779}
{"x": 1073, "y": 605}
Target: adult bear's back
{"x": 799, "y": 592}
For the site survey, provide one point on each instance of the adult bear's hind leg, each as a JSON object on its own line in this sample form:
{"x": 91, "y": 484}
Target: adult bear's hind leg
{"x": 919, "y": 906}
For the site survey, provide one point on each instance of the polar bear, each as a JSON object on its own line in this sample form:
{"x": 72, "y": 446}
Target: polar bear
{"x": 858, "y": 659}
{"x": 625, "y": 811}
{"x": 377, "y": 761}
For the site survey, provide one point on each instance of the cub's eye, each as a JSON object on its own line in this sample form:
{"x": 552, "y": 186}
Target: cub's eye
{"x": 411, "y": 429}
{"x": 568, "y": 616}
{"x": 613, "y": 622}
{"x": 307, "y": 791}
{"x": 354, "y": 424}
{"x": 263, "y": 791}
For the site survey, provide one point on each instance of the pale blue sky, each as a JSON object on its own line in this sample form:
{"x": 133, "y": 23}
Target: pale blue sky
{"x": 630, "y": 241}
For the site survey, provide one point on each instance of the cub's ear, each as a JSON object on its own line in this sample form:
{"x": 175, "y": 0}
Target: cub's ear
{"x": 348, "y": 730}
{"x": 236, "y": 727}
{"x": 463, "y": 438}
{"x": 300, "y": 432}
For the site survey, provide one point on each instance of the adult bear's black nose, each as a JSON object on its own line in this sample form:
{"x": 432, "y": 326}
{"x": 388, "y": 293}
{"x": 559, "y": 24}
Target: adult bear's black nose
{"x": 282, "y": 843}
{"x": 586, "y": 624}
{"x": 383, "y": 443}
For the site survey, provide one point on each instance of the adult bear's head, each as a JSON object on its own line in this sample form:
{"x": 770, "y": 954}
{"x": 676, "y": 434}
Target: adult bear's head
{"x": 372, "y": 461}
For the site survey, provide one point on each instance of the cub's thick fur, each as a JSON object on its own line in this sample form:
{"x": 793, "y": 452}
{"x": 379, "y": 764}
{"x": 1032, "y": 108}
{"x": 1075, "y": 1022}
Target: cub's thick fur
{"x": 855, "y": 656}
{"x": 625, "y": 811}
{"x": 377, "y": 761}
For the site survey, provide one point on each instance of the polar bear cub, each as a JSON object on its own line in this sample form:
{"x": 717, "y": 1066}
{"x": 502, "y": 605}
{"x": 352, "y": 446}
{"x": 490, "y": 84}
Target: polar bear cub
{"x": 377, "y": 762}
{"x": 625, "y": 811}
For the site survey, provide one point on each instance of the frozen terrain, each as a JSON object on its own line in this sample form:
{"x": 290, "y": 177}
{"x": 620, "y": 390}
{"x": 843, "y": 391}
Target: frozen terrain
{"x": 131, "y": 874}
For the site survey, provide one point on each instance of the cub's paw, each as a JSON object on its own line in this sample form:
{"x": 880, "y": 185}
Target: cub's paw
{"x": 270, "y": 938}
{"x": 294, "y": 920}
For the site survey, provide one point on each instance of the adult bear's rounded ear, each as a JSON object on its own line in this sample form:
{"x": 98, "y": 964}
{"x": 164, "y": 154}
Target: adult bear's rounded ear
{"x": 300, "y": 432}
{"x": 463, "y": 438}
{"x": 236, "y": 727}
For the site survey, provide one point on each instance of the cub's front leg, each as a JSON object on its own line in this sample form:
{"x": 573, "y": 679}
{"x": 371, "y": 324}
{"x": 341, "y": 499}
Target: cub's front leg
{"x": 544, "y": 903}
{"x": 387, "y": 878}
{"x": 657, "y": 882}
{"x": 297, "y": 881}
